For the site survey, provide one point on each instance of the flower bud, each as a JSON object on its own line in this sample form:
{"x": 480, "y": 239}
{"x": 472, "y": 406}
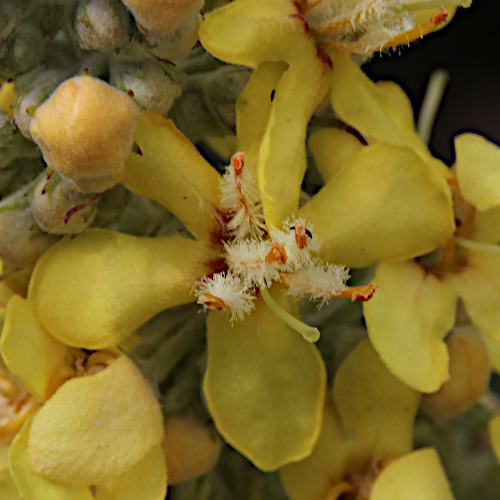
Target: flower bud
{"x": 22, "y": 242}
{"x": 191, "y": 448}
{"x": 55, "y": 212}
{"x": 32, "y": 89}
{"x": 469, "y": 375}
{"x": 162, "y": 16}
{"x": 23, "y": 52}
{"x": 86, "y": 131}
{"x": 176, "y": 44}
{"x": 150, "y": 85}
{"x": 101, "y": 24}
{"x": 206, "y": 107}
{"x": 12, "y": 143}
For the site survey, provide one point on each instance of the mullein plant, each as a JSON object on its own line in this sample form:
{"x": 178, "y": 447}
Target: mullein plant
{"x": 111, "y": 381}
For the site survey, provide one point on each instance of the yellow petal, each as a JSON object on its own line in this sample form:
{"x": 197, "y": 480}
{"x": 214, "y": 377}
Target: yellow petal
{"x": 282, "y": 155}
{"x": 381, "y": 112}
{"x": 253, "y": 31}
{"x": 478, "y": 283}
{"x": 7, "y": 97}
{"x": 478, "y": 170}
{"x": 95, "y": 290}
{"x": 31, "y": 485}
{"x": 487, "y": 226}
{"x": 146, "y": 480}
{"x": 8, "y": 489}
{"x": 385, "y": 204}
{"x": 332, "y": 149}
{"x": 494, "y": 427}
{"x": 171, "y": 171}
{"x": 253, "y": 108}
{"x": 332, "y": 458}
{"x": 264, "y": 386}
{"x": 96, "y": 427}
{"x": 494, "y": 353}
{"x": 407, "y": 319}
{"x": 29, "y": 351}
{"x": 376, "y": 408}
{"x": 417, "y": 476}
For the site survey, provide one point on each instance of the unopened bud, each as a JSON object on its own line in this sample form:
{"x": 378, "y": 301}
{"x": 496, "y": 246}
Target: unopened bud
{"x": 101, "y": 25}
{"x": 12, "y": 143}
{"x": 22, "y": 242}
{"x": 86, "y": 131}
{"x": 32, "y": 90}
{"x": 23, "y": 52}
{"x": 191, "y": 448}
{"x": 469, "y": 375}
{"x": 206, "y": 107}
{"x": 176, "y": 44}
{"x": 162, "y": 16}
{"x": 151, "y": 86}
{"x": 55, "y": 212}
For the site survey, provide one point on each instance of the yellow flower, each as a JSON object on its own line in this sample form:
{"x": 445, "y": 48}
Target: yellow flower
{"x": 364, "y": 450}
{"x": 414, "y": 307}
{"x": 87, "y": 436}
{"x": 105, "y": 284}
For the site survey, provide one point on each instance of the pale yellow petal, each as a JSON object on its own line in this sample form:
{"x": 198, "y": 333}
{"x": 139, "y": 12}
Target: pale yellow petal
{"x": 417, "y": 476}
{"x": 31, "y": 485}
{"x": 170, "y": 170}
{"x": 334, "y": 456}
{"x": 478, "y": 283}
{"x": 478, "y": 170}
{"x": 494, "y": 427}
{"x": 376, "y": 408}
{"x": 7, "y": 97}
{"x": 253, "y": 31}
{"x": 253, "y": 108}
{"x": 282, "y": 155}
{"x": 332, "y": 149}
{"x": 8, "y": 489}
{"x": 264, "y": 386}
{"x": 379, "y": 111}
{"x": 407, "y": 319}
{"x": 494, "y": 353}
{"x": 96, "y": 427}
{"x": 95, "y": 290}
{"x": 29, "y": 351}
{"x": 385, "y": 204}
{"x": 146, "y": 480}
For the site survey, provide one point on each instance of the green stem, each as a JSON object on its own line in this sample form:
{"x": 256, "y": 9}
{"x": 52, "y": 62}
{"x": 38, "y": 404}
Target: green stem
{"x": 476, "y": 245}
{"x": 310, "y": 333}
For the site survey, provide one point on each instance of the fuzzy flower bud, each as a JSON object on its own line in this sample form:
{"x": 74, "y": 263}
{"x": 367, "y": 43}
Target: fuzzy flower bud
{"x": 12, "y": 144}
{"x": 101, "y": 24}
{"x": 152, "y": 87}
{"x": 175, "y": 44}
{"x": 162, "y": 16}
{"x": 206, "y": 107}
{"x": 86, "y": 131}
{"x": 23, "y": 52}
{"x": 55, "y": 212}
{"x": 22, "y": 242}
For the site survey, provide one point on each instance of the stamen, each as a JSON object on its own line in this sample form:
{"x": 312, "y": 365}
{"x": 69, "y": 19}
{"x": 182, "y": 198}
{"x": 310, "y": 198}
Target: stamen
{"x": 300, "y": 236}
{"x": 238, "y": 161}
{"x": 476, "y": 245}
{"x": 310, "y": 333}
{"x": 276, "y": 254}
{"x": 419, "y": 31}
{"x": 360, "y": 293}
{"x": 212, "y": 302}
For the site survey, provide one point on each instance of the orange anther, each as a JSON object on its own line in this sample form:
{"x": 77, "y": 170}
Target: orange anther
{"x": 237, "y": 161}
{"x": 357, "y": 293}
{"x": 300, "y": 236}
{"x": 212, "y": 302}
{"x": 276, "y": 254}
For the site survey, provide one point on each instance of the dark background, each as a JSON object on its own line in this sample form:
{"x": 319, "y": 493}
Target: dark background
{"x": 469, "y": 48}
